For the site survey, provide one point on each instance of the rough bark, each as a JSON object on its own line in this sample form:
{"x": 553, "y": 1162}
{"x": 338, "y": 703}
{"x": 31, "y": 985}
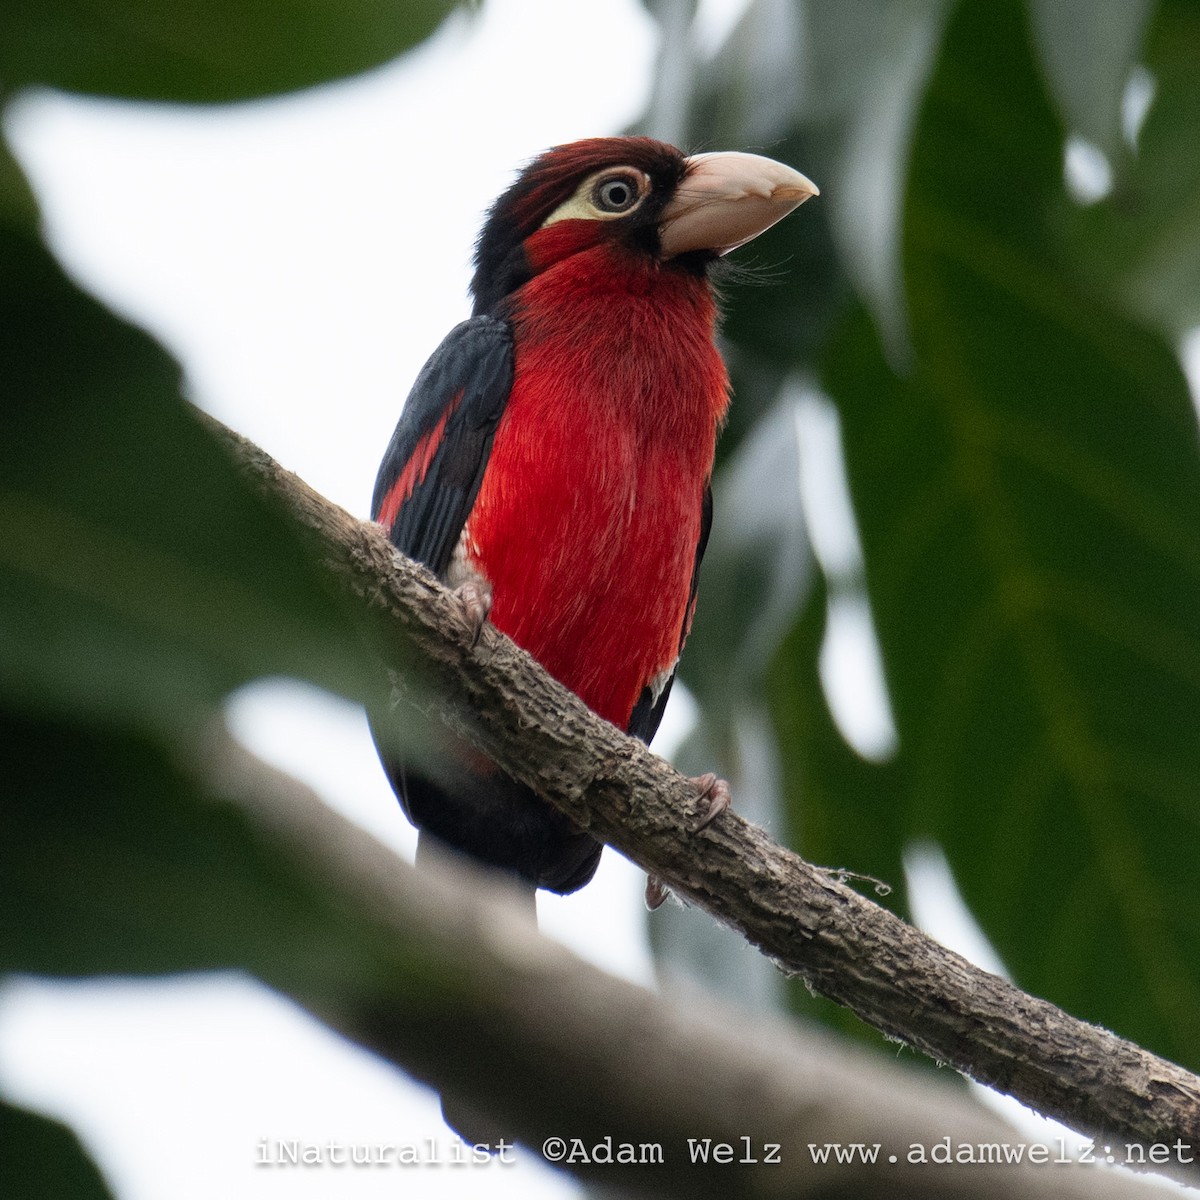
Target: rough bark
{"x": 844, "y": 946}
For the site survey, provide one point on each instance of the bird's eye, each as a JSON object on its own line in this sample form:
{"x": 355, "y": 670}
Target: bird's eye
{"x": 610, "y": 193}
{"x": 616, "y": 193}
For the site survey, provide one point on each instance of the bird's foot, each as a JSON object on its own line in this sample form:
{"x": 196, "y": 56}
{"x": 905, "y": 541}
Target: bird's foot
{"x": 475, "y": 597}
{"x": 708, "y": 787}
{"x": 715, "y": 790}
{"x": 656, "y": 892}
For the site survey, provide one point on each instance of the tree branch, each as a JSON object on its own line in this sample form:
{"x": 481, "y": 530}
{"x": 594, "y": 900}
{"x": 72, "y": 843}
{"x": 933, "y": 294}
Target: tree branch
{"x": 843, "y": 945}
{"x": 546, "y": 1045}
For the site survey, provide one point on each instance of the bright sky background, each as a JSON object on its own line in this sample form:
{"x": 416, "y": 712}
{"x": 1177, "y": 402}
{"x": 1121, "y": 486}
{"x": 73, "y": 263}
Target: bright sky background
{"x": 302, "y": 257}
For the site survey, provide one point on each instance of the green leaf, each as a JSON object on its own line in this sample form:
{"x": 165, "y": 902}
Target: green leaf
{"x": 1029, "y": 499}
{"x": 221, "y": 50}
{"x": 40, "y": 1157}
{"x": 141, "y": 577}
{"x": 18, "y": 208}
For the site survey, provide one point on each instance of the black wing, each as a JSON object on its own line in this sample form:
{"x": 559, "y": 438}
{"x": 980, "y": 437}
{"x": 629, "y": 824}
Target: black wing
{"x": 424, "y": 494}
{"x": 435, "y": 461}
{"x": 648, "y": 712}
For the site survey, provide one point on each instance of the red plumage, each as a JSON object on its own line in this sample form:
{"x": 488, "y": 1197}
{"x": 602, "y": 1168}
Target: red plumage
{"x": 588, "y": 518}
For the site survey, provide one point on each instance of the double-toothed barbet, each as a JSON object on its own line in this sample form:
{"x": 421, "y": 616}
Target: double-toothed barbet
{"x": 553, "y": 459}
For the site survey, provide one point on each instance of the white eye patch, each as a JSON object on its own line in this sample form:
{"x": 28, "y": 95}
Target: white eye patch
{"x": 604, "y": 196}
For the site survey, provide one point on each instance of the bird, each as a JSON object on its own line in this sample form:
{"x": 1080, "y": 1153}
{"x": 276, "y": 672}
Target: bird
{"x": 553, "y": 461}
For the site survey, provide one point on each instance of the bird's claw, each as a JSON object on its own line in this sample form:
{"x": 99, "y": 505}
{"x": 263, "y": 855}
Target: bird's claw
{"x": 715, "y": 790}
{"x": 708, "y": 787}
{"x": 656, "y": 892}
{"x": 476, "y": 600}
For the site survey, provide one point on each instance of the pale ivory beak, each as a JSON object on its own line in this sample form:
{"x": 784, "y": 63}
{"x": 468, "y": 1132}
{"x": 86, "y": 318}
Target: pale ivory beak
{"x": 728, "y": 198}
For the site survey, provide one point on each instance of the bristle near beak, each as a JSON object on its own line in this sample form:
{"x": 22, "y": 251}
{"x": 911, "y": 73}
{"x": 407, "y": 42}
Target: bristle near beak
{"x": 728, "y": 198}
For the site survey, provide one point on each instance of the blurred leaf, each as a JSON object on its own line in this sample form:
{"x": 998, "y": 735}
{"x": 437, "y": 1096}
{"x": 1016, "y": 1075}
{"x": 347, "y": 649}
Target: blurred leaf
{"x": 675, "y": 73}
{"x": 222, "y": 50}
{"x": 18, "y": 208}
{"x": 780, "y": 296}
{"x": 1142, "y": 244}
{"x": 777, "y": 323}
{"x": 115, "y": 857}
{"x": 756, "y": 569}
{"x": 867, "y": 64}
{"x": 1029, "y": 499}
{"x": 141, "y": 578}
{"x": 821, "y": 773}
{"x": 1088, "y": 48}
{"x": 831, "y": 88}
{"x": 40, "y": 1158}
{"x": 749, "y": 94}
{"x": 838, "y": 802}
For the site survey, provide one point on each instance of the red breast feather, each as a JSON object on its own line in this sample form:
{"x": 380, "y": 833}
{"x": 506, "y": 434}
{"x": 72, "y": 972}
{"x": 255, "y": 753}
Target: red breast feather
{"x": 588, "y": 517}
